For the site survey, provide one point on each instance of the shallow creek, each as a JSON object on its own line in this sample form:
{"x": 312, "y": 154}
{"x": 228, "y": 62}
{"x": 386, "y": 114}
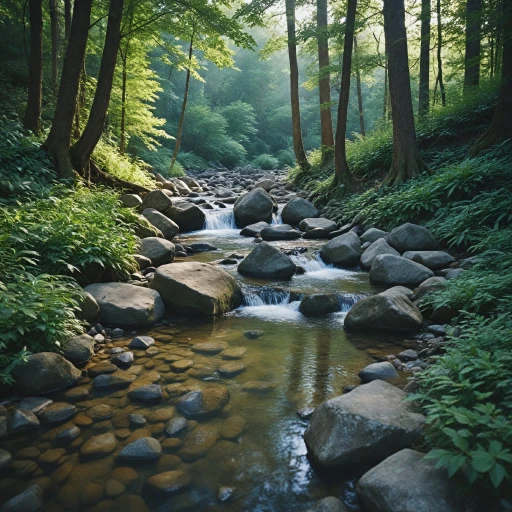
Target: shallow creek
{"x": 308, "y": 361}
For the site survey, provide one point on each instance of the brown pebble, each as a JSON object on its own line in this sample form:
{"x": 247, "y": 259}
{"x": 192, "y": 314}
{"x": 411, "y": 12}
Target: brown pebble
{"x": 81, "y": 420}
{"x": 172, "y": 444}
{"x": 79, "y": 393}
{"x": 30, "y": 452}
{"x": 182, "y": 365}
{"x": 123, "y": 433}
{"x": 125, "y": 475}
{"x": 23, "y": 468}
{"x": 161, "y": 415}
{"x": 61, "y": 474}
{"x": 92, "y": 494}
{"x": 156, "y": 428}
{"x": 114, "y": 488}
{"x": 131, "y": 503}
{"x": 168, "y": 462}
{"x": 52, "y": 457}
{"x": 102, "y": 426}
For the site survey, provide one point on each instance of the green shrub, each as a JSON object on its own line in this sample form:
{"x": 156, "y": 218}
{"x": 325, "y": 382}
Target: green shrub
{"x": 266, "y": 162}
{"x": 285, "y": 157}
{"x": 192, "y": 162}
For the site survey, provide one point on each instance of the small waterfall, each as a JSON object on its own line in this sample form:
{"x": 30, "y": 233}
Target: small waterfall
{"x": 311, "y": 265}
{"x": 267, "y": 298}
{"x": 276, "y": 218}
{"x": 347, "y": 300}
{"x": 219, "y": 219}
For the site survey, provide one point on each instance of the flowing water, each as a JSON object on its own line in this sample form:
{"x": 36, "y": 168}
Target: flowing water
{"x": 307, "y": 360}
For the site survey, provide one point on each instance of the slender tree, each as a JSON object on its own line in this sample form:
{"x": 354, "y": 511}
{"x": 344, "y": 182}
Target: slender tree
{"x": 473, "y": 36}
{"x": 327, "y": 137}
{"x": 342, "y": 174}
{"x": 83, "y": 148}
{"x": 407, "y": 162}
{"x": 500, "y": 128}
{"x": 439, "y": 59}
{"x": 298, "y": 145}
{"x": 423, "y": 102}
{"x": 385, "y": 103}
{"x": 359, "y": 94}
{"x": 67, "y": 18}
{"x": 54, "y": 26}
{"x": 185, "y": 98}
{"x": 59, "y": 138}
{"x": 31, "y": 120}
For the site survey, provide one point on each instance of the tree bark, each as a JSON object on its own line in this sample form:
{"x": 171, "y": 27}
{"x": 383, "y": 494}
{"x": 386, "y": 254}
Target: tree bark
{"x": 67, "y": 18}
{"x": 385, "y": 105}
{"x": 83, "y": 148}
{"x": 423, "y": 102}
{"x": 122, "y": 142}
{"x": 500, "y": 128}
{"x": 184, "y": 104}
{"x": 439, "y": 59}
{"x": 342, "y": 174}
{"x": 54, "y": 24}
{"x": 32, "y": 118}
{"x": 359, "y": 95}
{"x": 324, "y": 85}
{"x": 298, "y": 145}
{"x": 59, "y": 138}
{"x": 472, "y": 56}
{"x": 406, "y": 162}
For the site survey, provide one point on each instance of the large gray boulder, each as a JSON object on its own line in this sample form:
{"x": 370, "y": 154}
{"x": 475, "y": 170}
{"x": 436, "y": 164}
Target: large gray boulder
{"x": 79, "y": 350}
{"x": 384, "y": 312}
{"x": 182, "y": 187}
{"x": 433, "y": 284}
{"x": 144, "y": 228}
{"x": 406, "y": 482}
{"x": 197, "y": 289}
{"x": 434, "y": 260}
{"x": 319, "y": 304}
{"x": 126, "y": 305}
{"x": 130, "y": 200}
{"x": 298, "y": 209}
{"x": 364, "y": 426}
{"x": 266, "y": 261}
{"x": 254, "y": 229}
{"x": 168, "y": 227}
{"x": 379, "y": 371}
{"x": 320, "y": 223}
{"x": 89, "y": 308}
{"x": 187, "y": 216}
{"x": 158, "y": 200}
{"x": 158, "y": 250}
{"x": 390, "y": 270}
{"x": 411, "y": 237}
{"x": 280, "y": 232}
{"x": 30, "y": 500}
{"x": 266, "y": 184}
{"x": 373, "y": 234}
{"x": 255, "y": 206}
{"x": 329, "y": 504}
{"x": 344, "y": 250}
{"x": 44, "y": 372}
{"x": 377, "y": 248}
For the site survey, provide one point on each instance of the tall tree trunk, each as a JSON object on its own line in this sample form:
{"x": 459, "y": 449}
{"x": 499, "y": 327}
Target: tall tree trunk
{"x": 385, "y": 105}
{"x": 83, "y": 148}
{"x": 122, "y": 143}
{"x": 67, "y": 18}
{"x": 407, "y": 162}
{"x": 54, "y": 24}
{"x": 423, "y": 102}
{"x": 472, "y": 57}
{"x": 80, "y": 104}
{"x": 359, "y": 95}
{"x": 184, "y": 104}
{"x": 439, "y": 48}
{"x": 59, "y": 139}
{"x": 31, "y": 120}
{"x": 298, "y": 145}
{"x": 491, "y": 63}
{"x": 327, "y": 137}
{"x": 342, "y": 174}
{"x": 500, "y": 128}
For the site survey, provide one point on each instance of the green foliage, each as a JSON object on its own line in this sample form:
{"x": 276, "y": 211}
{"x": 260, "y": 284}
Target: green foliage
{"x": 192, "y": 162}
{"x": 266, "y": 162}
{"x": 285, "y": 157}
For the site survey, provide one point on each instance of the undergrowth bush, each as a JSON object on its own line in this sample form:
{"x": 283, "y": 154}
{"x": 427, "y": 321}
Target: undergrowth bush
{"x": 266, "y": 162}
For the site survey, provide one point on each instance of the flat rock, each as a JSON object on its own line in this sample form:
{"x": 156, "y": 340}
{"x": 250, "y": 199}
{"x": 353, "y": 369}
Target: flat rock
{"x": 145, "y": 448}
{"x": 148, "y": 393}
{"x": 266, "y": 261}
{"x": 232, "y": 427}
{"x": 122, "y": 359}
{"x": 234, "y": 353}
{"x": 99, "y": 446}
{"x": 118, "y": 380}
{"x": 254, "y": 229}
{"x": 198, "y": 442}
{"x": 100, "y": 412}
{"x": 258, "y": 386}
{"x": 279, "y": 232}
{"x": 101, "y": 369}
{"x": 175, "y": 426}
{"x": 35, "y": 404}
{"x": 389, "y": 270}
{"x": 58, "y": 412}
{"x": 141, "y": 343}
{"x": 169, "y": 482}
{"x": 209, "y": 347}
{"x": 326, "y": 225}
{"x": 231, "y": 369}
{"x": 344, "y": 250}
{"x": 379, "y": 371}
{"x": 79, "y": 350}
{"x": 181, "y": 365}
{"x": 434, "y": 260}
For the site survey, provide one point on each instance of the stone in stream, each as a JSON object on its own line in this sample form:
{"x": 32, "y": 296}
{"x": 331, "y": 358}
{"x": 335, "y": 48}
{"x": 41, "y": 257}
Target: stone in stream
{"x": 316, "y": 234}
{"x": 21, "y": 421}
{"x": 364, "y": 426}
{"x": 35, "y": 404}
{"x": 209, "y": 347}
{"x": 305, "y": 413}
{"x": 57, "y": 413}
{"x": 406, "y": 481}
{"x": 158, "y": 200}
{"x": 188, "y": 216}
{"x": 142, "y": 262}
{"x": 144, "y": 229}
{"x": 30, "y": 500}
{"x": 225, "y": 493}
{"x": 234, "y": 353}
{"x": 279, "y": 232}
{"x": 175, "y": 426}
{"x": 231, "y": 369}
{"x": 253, "y": 335}
{"x": 122, "y": 359}
{"x": 182, "y": 365}
{"x": 67, "y": 435}
{"x": 141, "y": 343}
{"x": 232, "y": 427}
{"x": 434, "y": 260}
{"x": 118, "y": 380}
{"x": 79, "y": 349}
{"x": 266, "y": 261}
{"x": 44, "y": 372}
{"x": 344, "y": 250}
{"x": 203, "y": 403}
{"x": 158, "y": 250}
{"x": 5, "y": 458}
{"x": 389, "y": 270}
{"x": 100, "y": 412}
{"x": 203, "y": 247}
{"x": 198, "y": 442}
{"x": 89, "y": 308}
{"x": 373, "y": 234}
{"x": 327, "y": 225}
{"x": 197, "y": 289}
{"x": 254, "y": 229}
{"x": 319, "y": 304}
{"x": 168, "y": 227}
{"x": 329, "y": 504}
{"x": 379, "y": 371}
{"x": 298, "y": 209}
{"x": 126, "y": 305}
{"x": 145, "y": 448}
{"x": 255, "y": 206}
{"x": 130, "y": 200}
{"x": 148, "y": 393}
{"x": 377, "y": 248}
{"x": 101, "y": 368}
{"x": 411, "y": 237}
{"x": 169, "y": 482}
{"x": 430, "y": 285}
{"x": 387, "y": 311}
{"x": 99, "y": 446}
{"x": 258, "y": 386}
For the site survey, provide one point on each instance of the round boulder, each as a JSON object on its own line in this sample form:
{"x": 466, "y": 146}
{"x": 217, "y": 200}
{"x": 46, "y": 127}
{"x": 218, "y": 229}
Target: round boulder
{"x": 255, "y": 206}
{"x": 168, "y": 227}
{"x": 266, "y": 261}
{"x": 298, "y": 209}
{"x": 79, "y": 350}
{"x": 158, "y": 250}
{"x": 319, "y": 304}
{"x": 344, "y": 250}
{"x": 411, "y": 237}
{"x": 377, "y": 248}
{"x": 390, "y": 270}
{"x": 280, "y": 232}
{"x": 187, "y": 216}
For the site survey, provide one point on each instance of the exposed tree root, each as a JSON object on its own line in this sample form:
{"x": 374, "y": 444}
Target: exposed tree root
{"x": 99, "y": 176}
